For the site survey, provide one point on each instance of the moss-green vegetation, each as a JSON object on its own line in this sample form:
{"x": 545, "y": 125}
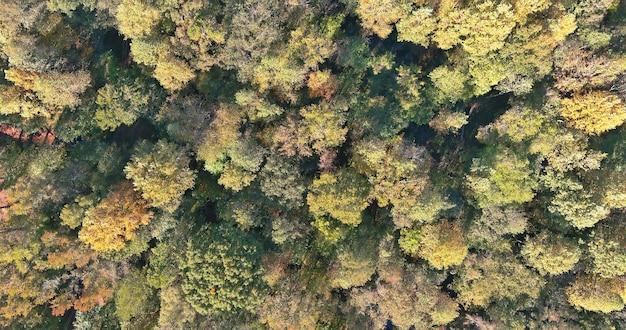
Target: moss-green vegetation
{"x": 352, "y": 164}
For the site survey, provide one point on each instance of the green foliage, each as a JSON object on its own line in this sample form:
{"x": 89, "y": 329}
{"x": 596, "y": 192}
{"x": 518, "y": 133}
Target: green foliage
{"x": 73, "y": 214}
{"x": 417, "y": 27}
{"x": 292, "y": 164}
{"x": 411, "y": 301}
{"x": 222, "y": 274}
{"x": 136, "y": 18}
{"x": 378, "y": 16}
{"x": 173, "y": 73}
{"x": 501, "y": 177}
{"x": 450, "y": 83}
{"x": 281, "y": 179}
{"x": 175, "y": 311}
{"x": 607, "y": 248}
{"x": 496, "y": 222}
{"x": 121, "y": 104}
{"x": 323, "y": 126}
{"x": 132, "y": 297}
{"x": 163, "y": 267}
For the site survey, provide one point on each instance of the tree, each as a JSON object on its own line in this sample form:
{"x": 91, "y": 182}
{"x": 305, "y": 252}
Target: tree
{"x": 594, "y": 113}
{"x": 281, "y": 179}
{"x": 173, "y": 73}
{"x": 441, "y": 244}
{"x": 257, "y": 107}
{"x": 486, "y": 277}
{"x": 136, "y": 18}
{"x": 448, "y": 121}
{"x": 597, "y": 294}
{"x": 579, "y": 70}
{"x": 397, "y": 172}
{"x": 175, "y": 311}
{"x": 323, "y": 126}
{"x": 458, "y": 26}
{"x": 378, "y": 16}
{"x": 61, "y": 89}
{"x": 222, "y": 275}
{"x": 607, "y": 247}
{"x": 414, "y": 301}
{"x": 222, "y": 134}
{"x": 525, "y": 8}
{"x": 108, "y": 225}
{"x": 322, "y": 84}
{"x": 342, "y": 195}
{"x": 132, "y": 297}
{"x": 517, "y": 124}
{"x": 121, "y": 103}
{"x": 501, "y": 177}
{"x": 278, "y": 72}
{"x": 496, "y": 222}
{"x": 160, "y": 172}
{"x": 356, "y": 260}
{"x": 417, "y": 27}
{"x": 72, "y": 215}
{"x": 253, "y": 35}
{"x": 450, "y": 83}
{"x": 551, "y": 253}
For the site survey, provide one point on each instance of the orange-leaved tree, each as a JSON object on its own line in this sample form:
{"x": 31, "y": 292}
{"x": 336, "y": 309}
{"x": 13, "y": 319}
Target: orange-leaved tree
{"x": 111, "y": 223}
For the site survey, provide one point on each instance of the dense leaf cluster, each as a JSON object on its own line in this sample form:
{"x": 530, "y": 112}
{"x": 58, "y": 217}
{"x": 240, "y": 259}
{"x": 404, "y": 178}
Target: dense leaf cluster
{"x": 320, "y": 164}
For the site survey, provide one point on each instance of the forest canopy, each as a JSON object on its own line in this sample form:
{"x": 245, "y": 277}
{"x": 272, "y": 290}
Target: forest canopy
{"x": 321, "y": 164}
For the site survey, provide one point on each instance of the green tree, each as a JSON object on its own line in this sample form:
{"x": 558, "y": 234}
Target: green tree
{"x": 501, "y": 177}
{"x": 175, "y": 311}
{"x": 132, "y": 297}
{"x": 413, "y": 301}
{"x": 451, "y": 83}
{"x": 121, "y": 104}
{"x": 378, "y": 16}
{"x": 222, "y": 275}
{"x": 417, "y": 27}
{"x": 137, "y": 18}
{"x": 281, "y": 179}
{"x": 61, "y": 89}
{"x": 496, "y": 222}
{"x": 607, "y": 247}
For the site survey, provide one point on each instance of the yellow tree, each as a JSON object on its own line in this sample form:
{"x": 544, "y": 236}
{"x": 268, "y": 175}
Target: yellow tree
{"x": 136, "y": 18}
{"x": 551, "y": 253}
{"x": 341, "y": 195}
{"x": 487, "y": 277}
{"x": 378, "y": 16}
{"x": 161, "y": 173}
{"x": 594, "y": 113}
{"x": 417, "y": 27}
{"x": 597, "y": 294}
{"x": 111, "y": 223}
{"x": 441, "y": 244}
